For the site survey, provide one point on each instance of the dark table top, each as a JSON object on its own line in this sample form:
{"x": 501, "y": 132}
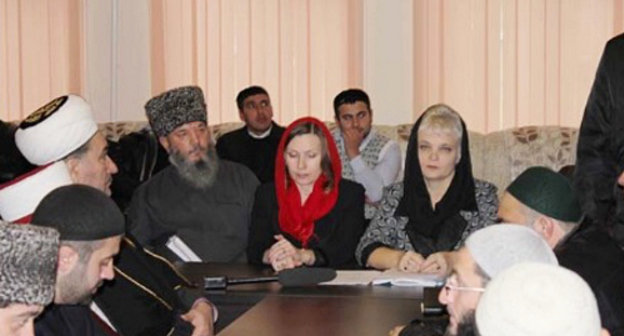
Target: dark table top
{"x": 286, "y": 315}
{"x": 196, "y": 272}
{"x": 270, "y": 309}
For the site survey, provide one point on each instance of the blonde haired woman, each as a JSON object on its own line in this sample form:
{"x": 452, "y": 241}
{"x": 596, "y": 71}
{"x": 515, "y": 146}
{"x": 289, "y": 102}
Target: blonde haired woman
{"x": 438, "y": 204}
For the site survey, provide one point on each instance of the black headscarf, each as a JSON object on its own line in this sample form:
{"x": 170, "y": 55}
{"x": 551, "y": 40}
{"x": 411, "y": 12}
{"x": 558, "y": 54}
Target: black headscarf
{"x": 431, "y": 230}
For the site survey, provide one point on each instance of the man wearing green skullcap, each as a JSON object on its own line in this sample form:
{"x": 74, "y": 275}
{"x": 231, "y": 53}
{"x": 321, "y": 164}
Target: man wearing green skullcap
{"x": 545, "y": 201}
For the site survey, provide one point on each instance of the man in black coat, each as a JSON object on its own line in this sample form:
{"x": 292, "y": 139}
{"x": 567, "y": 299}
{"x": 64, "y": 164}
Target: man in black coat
{"x": 255, "y": 144}
{"x": 600, "y": 151}
{"x": 91, "y": 227}
{"x": 545, "y": 201}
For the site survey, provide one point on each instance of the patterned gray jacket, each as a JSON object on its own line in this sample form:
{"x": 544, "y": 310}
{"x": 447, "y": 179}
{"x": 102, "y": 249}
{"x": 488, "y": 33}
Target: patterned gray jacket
{"x": 389, "y": 230}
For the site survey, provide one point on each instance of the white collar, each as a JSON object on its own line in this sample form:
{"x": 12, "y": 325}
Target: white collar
{"x": 260, "y": 136}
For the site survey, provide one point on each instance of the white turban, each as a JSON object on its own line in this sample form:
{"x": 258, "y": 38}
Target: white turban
{"x": 20, "y": 197}
{"x": 55, "y": 130}
{"x": 497, "y": 247}
{"x": 533, "y": 299}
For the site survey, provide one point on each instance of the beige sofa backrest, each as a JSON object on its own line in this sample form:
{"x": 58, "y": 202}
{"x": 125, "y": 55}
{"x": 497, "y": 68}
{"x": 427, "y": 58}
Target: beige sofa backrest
{"x": 497, "y": 157}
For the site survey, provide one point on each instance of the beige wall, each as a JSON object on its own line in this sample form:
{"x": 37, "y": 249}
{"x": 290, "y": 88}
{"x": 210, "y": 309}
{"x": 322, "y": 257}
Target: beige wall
{"x": 40, "y": 53}
{"x": 118, "y": 58}
{"x": 501, "y": 63}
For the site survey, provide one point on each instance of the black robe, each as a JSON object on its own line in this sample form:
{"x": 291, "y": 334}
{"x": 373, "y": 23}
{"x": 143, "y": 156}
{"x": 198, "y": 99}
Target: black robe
{"x": 597, "y": 258}
{"x": 154, "y": 306}
{"x": 257, "y": 154}
{"x": 67, "y": 320}
{"x": 146, "y": 297}
{"x": 213, "y": 221}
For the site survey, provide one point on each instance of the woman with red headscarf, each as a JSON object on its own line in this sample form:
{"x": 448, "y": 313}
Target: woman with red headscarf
{"x": 308, "y": 215}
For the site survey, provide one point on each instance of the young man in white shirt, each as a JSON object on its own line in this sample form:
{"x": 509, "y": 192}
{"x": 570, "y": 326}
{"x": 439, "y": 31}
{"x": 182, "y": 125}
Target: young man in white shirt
{"x": 368, "y": 157}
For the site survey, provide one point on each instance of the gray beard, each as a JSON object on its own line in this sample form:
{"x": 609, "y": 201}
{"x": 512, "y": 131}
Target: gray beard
{"x": 201, "y": 174}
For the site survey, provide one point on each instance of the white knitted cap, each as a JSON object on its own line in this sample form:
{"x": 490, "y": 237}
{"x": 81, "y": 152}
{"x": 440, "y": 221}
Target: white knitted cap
{"x": 55, "y": 130}
{"x": 534, "y": 299}
{"x": 497, "y": 247}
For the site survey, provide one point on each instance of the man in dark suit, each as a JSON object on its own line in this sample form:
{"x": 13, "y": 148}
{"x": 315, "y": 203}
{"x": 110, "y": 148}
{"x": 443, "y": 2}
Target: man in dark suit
{"x": 255, "y": 144}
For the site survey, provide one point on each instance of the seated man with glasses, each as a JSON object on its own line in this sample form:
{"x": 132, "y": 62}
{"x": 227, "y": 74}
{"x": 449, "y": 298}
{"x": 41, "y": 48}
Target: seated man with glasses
{"x": 486, "y": 253}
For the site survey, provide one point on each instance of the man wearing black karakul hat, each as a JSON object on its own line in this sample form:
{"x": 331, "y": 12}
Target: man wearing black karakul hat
{"x": 204, "y": 201}
{"x": 545, "y": 201}
{"x": 91, "y": 227}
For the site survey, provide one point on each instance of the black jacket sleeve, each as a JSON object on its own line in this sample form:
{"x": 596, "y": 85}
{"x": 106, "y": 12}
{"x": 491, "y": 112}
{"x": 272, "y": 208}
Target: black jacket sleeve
{"x": 601, "y": 139}
{"x": 261, "y": 230}
{"x": 347, "y": 226}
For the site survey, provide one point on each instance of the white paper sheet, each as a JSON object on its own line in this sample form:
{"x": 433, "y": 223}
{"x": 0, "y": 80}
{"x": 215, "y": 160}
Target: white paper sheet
{"x": 399, "y": 278}
{"x": 355, "y": 278}
{"x": 393, "y": 277}
{"x": 182, "y": 250}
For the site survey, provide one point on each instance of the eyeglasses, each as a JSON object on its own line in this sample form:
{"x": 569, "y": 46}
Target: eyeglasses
{"x": 449, "y": 287}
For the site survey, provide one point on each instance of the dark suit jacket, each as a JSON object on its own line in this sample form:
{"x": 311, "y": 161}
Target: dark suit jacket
{"x": 257, "y": 154}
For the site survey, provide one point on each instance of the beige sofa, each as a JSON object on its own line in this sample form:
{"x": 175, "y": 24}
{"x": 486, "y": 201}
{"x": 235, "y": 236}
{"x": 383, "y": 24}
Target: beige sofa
{"x": 498, "y": 157}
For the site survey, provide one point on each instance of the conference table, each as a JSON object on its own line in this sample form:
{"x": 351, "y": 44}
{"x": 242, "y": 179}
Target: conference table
{"x": 270, "y": 309}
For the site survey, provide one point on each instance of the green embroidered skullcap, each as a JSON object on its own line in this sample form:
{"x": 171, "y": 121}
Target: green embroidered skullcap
{"x": 548, "y": 193}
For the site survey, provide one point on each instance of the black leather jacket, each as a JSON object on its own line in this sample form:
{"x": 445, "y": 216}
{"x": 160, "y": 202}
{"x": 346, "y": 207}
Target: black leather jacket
{"x": 600, "y": 151}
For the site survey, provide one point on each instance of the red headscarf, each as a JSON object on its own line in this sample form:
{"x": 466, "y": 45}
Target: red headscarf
{"x": 294, "y": 218}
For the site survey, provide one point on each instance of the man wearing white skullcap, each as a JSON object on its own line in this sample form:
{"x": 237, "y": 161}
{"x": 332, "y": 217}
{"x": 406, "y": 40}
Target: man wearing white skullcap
{"x": 486, "y": 253}
{"x": 532, "y": 299}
